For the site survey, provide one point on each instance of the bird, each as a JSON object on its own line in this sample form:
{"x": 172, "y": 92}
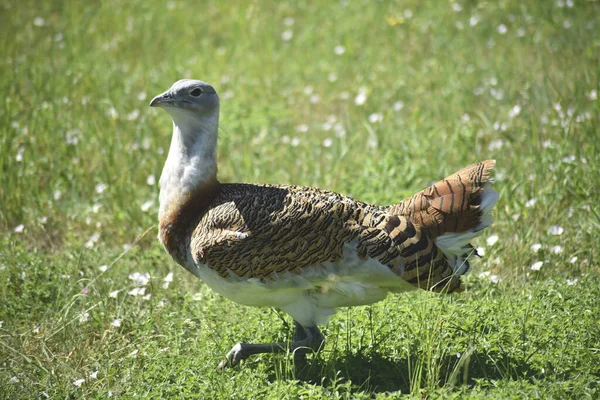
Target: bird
{"x": 304, "y": 250}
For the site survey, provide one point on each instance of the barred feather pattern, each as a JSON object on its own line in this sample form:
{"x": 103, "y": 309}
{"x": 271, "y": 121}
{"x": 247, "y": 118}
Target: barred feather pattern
{"x": 264, "y": 231}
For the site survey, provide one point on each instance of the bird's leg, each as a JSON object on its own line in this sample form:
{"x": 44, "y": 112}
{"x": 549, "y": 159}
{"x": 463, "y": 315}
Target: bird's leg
{"x": 304, "y": 339}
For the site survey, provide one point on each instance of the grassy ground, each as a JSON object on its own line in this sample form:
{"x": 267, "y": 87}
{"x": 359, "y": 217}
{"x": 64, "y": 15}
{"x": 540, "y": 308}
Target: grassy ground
{"x": 370, "y": 98}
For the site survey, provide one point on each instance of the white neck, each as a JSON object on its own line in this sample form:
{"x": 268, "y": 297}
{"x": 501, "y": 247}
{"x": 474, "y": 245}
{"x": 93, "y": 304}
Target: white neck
{"x": 192, "y": 159}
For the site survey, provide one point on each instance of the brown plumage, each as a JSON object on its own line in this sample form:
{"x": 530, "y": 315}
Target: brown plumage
{"x": 306, "y": 250}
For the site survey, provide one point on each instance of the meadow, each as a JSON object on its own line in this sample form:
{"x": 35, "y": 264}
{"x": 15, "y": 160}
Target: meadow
{"x": 374, "y": 99}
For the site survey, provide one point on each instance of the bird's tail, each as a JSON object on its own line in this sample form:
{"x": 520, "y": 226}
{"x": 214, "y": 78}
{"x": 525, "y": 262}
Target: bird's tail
{"x": 454, "y": 211}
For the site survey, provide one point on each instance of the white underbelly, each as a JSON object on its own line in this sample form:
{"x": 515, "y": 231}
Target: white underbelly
{"x": 311, "y": 296}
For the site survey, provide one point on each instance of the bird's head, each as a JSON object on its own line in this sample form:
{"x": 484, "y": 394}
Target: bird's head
{"x": 188, "y": 98}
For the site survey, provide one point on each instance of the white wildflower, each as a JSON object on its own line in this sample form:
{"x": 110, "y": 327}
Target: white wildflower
{"x": 138, "y": 291}
{"x": 287, "y": 35}
{"x": 492, "y": 240}
{"x": 94, "y": 375}
{"x": 556, "y": 230}
{"x": 133, "y": 353}
{"x": 14, "y": 379}
{"x": 79, "y": 382}
{"x": 19, "y": 228}
{"x": 531, "y": 202}
{"x": 84, "y": 317}
{"x": 57, "y": 194}
{"x": 147, "y": 205}
{"x": 101, "y": 187}
{"x": 302, "y": 128}
{"x": 484, "y": 274}
{"x": 39, "y": 22}
{"x": 168, "y": 279}
{"x": 327, "y": 142}
{"x": 375, "y": 117}
{"x": 103, "y": 268}
{"x": 295, "y": 141}
{"x": 92, "y": 240}
{"x": 573, "y": 260}
{"x": 536, "y": 247}
{"x": 339, "y": 50}
{"x": 142, "y": 96}
{"x": 360, "y": 98}
{"x": 571, "y": 282}
{"x": 495, "y": 144}
{"x": 474, "y": 20}
{"x": 132, "y": 116}
{"x": 592, "y": 95}
{"x": 147, "y": 297}
{"x": 407, "y": 14}
{"x": 556, "y": 249}
{"x": 116, "y": 323}
{"x": 288, "y": 21}
{"x": 494, "y": 278}
{"x": 139, "y": 278}
{"x": 398, "y": 106}
{"x": 114, "y": 294}
{"x": 456, "y": 7}
{"x": 502, "y": 29}
{"x": 332, "y": 77}
{"x": 537, "y": 265}
{"x": 480, "y": 251}
{"x": 516, "y": 110}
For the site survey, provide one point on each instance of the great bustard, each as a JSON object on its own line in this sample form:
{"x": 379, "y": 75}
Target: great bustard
{"x": 306, "y": 251}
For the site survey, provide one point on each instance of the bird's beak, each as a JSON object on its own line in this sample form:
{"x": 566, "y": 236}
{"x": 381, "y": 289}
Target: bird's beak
{"x": 160, "y": 99}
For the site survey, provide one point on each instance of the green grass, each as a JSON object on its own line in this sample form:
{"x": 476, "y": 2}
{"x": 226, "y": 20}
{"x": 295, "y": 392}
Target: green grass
{"x": 78, "y": 144}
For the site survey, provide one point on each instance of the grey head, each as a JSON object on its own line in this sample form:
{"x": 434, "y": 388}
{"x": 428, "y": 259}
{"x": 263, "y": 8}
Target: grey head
{"x": 188, "y": 96}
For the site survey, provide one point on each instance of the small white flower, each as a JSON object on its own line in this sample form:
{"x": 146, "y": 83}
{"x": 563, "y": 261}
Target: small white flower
{"x": 360, "y": 98}
{"x": 398, "y": 106}
{"x": 592, "y": 95}
{"x": 132, "y": 116}
{"x": 39, "y": 22}
{"x": 147, "y": 297}
{"x": 339, "y": 50}
{"x": 295, "y": 141}
{"x": 502, "y": 29}
{"x": 516, "y": 110}
{"x": 456, "y": 7}
{"x": 141, "y": 279}
{"x": 14, "y": 379}
{"x": 114, "y": 294}
{"x": 288, "y": 21}
{"x": 103, "y": 268}
{"x": 147, "y": 205}
{"x": 92, "y": 240}
{"x": 556, "y": 230}
{"x": 536, "y": 247}
{"x": 302, "y": 128}
{"x": 531, "y": 202}
{"x": 138, "y": 291}
{"x": 133, "y": 353}
{"x": 571, "y": 282}
{"x": 57, "y": 194}
{"x": 96, "y": 208}
{"x": 101, "y": 187}
{"x": 375, "y": 117}
{"x": 521, "y": 32}
{"x": 332, "y": 77}
{"x": 116, "y": 323}
{"x": 327, "y": 142}
{"x": 79, "y": 382}
{"x": 484, "y": 274}
{"x": 407, "y": 14}
{"x": 287, "y": 35}
{"x": 494, "y": 278}
{"x": 492, "y": 240}
{"x": 556, "y": 249}
{"x": 84, "y": 317}
{"x": 19, "y": 228}
{"x": 495, "y": 144}
{"x": 142, "y": 96}
{"x": 94, "y": 375}
{"x": 161, "y": 303}
{"x": 473, "y": 20}
{"x": 573, "y": 260}
{"x": 537, "y": 265}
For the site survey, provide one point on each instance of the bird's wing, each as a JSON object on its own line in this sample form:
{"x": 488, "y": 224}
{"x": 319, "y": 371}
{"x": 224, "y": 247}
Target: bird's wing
{"x": 254, "y": 231}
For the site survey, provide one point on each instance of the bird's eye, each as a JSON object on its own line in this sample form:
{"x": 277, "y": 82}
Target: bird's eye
{"x": 196, "y": 92}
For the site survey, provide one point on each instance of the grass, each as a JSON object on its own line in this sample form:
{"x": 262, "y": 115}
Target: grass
{"x": 511, "y": 80}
